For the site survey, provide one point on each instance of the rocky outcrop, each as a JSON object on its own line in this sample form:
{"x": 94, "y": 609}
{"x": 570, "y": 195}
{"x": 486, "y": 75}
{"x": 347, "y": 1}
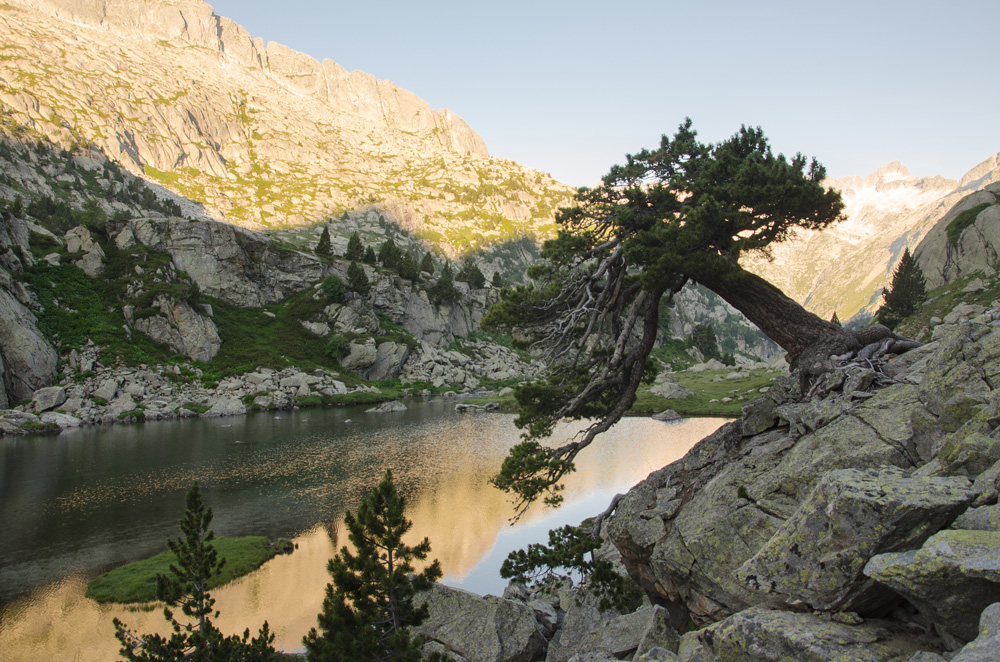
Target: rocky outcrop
{"x": 479, "y": 629}
{"x": 943, "y": 258}
{"x": 257, "y": 134}
{"x": 182, "y": 329}
{"x": 849, "y": 517}
{"x": 765, "y": 635}
{"x": 241, "y": 267}
{"x": 951, "y": 579}
{"x": 790, "y": 508}
{"x": 27, "y": 358}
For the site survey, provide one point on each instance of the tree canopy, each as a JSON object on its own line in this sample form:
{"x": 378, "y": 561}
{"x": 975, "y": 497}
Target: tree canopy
{"x": 682, "y": 212}
{"x": 195, "y": 638}
{"x": 907, "y": 291}
{"x": 369, "y": 605}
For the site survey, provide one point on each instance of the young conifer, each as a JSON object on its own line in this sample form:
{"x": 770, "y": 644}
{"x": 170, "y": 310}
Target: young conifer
{"x": 324, "y": 247}
{"x": 195, "y": 638}
{"x": 355, "y": 249}
{"x": 907, "y": 291}
{"x": 357, "y": 280}
{"x": 369, "y": 606}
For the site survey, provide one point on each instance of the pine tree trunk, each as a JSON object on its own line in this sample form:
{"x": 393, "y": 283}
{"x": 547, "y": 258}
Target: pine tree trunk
{"x": 800, "y": 333}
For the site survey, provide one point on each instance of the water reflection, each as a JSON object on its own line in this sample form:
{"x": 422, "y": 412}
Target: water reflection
{"x": 74, "y": 505}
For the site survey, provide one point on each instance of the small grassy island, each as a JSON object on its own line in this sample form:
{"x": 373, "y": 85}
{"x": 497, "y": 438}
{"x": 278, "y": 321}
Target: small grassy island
{"x": 136, "y": 582}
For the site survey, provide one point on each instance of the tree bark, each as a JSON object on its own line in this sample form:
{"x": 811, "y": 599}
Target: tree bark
{"x": 802, "y": 334}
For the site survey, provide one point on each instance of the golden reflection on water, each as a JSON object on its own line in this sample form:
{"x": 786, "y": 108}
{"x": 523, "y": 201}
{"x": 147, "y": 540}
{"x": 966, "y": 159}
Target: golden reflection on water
{"x": 450, "y": 502}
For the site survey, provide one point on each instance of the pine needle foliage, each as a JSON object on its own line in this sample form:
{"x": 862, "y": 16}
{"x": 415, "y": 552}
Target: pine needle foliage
{"x": 355, "y": 249}
{"x": 571, "y": 550}
{"x": 195, "y": 637}
{"x": 369, "y": 605}
{"x": 357, "y": 281}
{"x": 907, "y": 291}
{"x": 324, "y": 247}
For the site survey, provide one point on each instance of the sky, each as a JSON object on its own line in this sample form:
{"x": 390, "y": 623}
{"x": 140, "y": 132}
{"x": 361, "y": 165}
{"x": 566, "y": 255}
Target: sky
{"x": 569, "y": 88}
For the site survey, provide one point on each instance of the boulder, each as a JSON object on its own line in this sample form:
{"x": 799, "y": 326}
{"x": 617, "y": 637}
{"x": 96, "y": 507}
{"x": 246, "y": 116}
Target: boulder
{"x": 984, "y": 518}
{"x": 47, "y": 398}
{"x": 666, "y": 416}
{"x": 107, "y": 391}
{"x": 586, "y": 629}
{"x": 181, "y": 328}
{"x": 985, "y": 647}
{"x": 386, "y": 407}
{"x": 228, "y": 406}
{"x": 480, "y": 629}
{"x": 671, "y": 391}
{"x": 764, "y": 635}
{"x": 951, "y": 579}
{"x": 819, "y": 554}
{"x": 389, "y": 360}
{"x": 758, "y": 415}
{"x": 27, "y": 359}
{"x": 123, "y": 403}
{"x": 360, "y": 356}
{"x": 63, "y": 421}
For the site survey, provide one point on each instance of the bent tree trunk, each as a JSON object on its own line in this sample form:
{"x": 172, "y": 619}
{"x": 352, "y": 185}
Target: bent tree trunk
{"x": 805, "y": 336}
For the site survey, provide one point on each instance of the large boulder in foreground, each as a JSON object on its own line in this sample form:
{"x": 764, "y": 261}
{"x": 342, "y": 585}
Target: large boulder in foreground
{"x": 764, "y": 635}
{"x": 685, "y": 530}
{"x": 951, "y": 579}
{"x": 818, "y": 555}
{"x": 984, "y": 648}
{"x": 480, "y": 628}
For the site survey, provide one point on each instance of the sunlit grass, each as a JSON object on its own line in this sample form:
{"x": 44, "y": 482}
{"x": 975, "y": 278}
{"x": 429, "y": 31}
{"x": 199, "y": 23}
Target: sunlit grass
{"x": 136, "y": 582}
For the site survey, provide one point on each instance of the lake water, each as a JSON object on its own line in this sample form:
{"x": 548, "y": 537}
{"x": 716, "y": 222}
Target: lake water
{"x": 78, "y": 504}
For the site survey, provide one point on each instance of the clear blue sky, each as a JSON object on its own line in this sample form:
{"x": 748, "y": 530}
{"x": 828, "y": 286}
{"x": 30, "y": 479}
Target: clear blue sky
{"x": 570, "y": 87}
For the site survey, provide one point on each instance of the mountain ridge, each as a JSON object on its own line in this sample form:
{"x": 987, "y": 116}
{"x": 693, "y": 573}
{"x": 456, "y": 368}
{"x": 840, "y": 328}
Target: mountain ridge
{"x": 260, "y": 135}
{"x": 843, "y": 269}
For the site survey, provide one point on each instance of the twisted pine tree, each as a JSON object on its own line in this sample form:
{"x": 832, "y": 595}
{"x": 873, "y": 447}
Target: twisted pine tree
{"x": 195, "y": 638}
{"x": 369, "y": 605}
{"x": 683, "y": 212}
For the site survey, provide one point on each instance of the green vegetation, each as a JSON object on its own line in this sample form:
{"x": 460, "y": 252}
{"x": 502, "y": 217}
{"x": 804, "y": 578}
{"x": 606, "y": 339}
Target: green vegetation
{"x": 907, "y": 291}
{"x": 684, "y": 211}
{"x": 357, "y": 280}
{"x": 443, "y": 291}
{"x": 186, "y": 587}
{"x": 705, "y": 390}
{"x": 355, "y": 249}
{"x": 324, "y": 247}
{"x": 962, "y": 221}
{"x": 942, "y": 300}
{"x": 702, "y": 384}
{"x": 568, "y": 550}
{"x": 136, "y": 582}
{"x": 369, "y": 605}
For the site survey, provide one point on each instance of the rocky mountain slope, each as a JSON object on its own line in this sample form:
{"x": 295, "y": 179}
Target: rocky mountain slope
{"x": 844, "y": 268}
{"x": 131, "y": 312}
{"x": 257, "y": 135}
{"x": 859, "y": 521}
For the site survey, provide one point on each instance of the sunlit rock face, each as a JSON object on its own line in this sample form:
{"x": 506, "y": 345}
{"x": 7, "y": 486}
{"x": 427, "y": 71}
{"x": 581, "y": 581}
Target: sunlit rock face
{"x": 258, "y": 134}
{"x": 843, "y": 268}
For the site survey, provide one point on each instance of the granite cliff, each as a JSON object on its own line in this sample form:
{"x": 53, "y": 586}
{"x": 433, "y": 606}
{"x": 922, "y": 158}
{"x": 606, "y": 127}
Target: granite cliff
{"x": 257, "y": 134}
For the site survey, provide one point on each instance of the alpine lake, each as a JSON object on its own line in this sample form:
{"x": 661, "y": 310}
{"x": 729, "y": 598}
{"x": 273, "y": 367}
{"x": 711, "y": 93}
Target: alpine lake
{"x": 75, "y": 505}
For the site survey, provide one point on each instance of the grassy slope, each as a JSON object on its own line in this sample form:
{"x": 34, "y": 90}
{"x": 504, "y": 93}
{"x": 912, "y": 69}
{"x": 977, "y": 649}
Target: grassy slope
{"x": 136, "y": 582}
{"x": 700, "y": 404}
